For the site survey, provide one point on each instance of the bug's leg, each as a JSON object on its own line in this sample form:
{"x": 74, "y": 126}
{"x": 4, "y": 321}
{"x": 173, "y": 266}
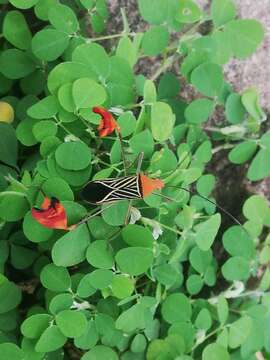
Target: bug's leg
{"x": 93, "y": 214}
{"x": 123, "y": 152}
{"x": 140, "y": 160}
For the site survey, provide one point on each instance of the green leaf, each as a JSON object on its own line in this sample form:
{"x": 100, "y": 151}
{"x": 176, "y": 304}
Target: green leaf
{"x": 44, "y": 109}
{"x": 208, "y": 79}
{"x": 100, "y": 279}
{"x": 51, "y": 340}
{"x": 122, "y": 286}
{"x": 71, "y": 323}
{"x": 127, "y": 123}
{"x": 244, "y": 245}
{"x": 94, "y": 57}
{"x": 43, "y": 129}
{"x": 138, "y": 344}
{"x": 85, "y": 289}
{"x": 88, "y": 4}
{"x": 166, "y": 274}
{"x": 239, "y": 331}
{"x": 234, "y": 109}
{"x": 13, "y": 207}
{"x": 159, "y": 348}
{"x": 127, "y": 50}
{"x": 89, "y": 338}
{"x": 205, "y": 185}
{"x": 24, "y": 132}
{"x": 136, "y": 235}
{"x": 115, "y": 214}
{"x": 142, "y": 142}
{"x": 42, "y": 9}
{"x": 215, "y": 351}
{"x": 198, "y": 111}
{"x": 35, "y": 325}
{"x": 66, "y": 72}
{"x": 149, "y": 92}
{"x": 16, "y": 30}
{"x": 256, "y": 208}
{"x": 100, "y": 352}
{"x": 156, "y": 14}
{"x": 23, "y": 4}
{"x": 65, "y": 97}
{"x": 60, "y": 302}
{"x": 16, "y": 64}
{"x": 11, "y": 351}
{"x": 63, "y": 18}
{"x": 222, "y": 309}
{"x": 243, "y": 152}
{"x": 57, "y": 187}
{"x": 134, "y": 260}
{"x": 8, "y": 144}
{"x": 70, "y": 249}
{"x": 169, "y": 86}
{"x": 247, "y": 34}
{"x": 55, "y": 278}
{"x": 189, "y": 12}
{"x": 207, "y": 231}
{"x": 21, "y": 257}
{"x": 235, "y": 268}
{"x": 194, "y": 284}
{"x": 260, "y": 166}
{"x": 10, "y": 296}
{"x": 222, "y": 11}
{"x": 176, "y": 307}
{"x": 132, "y": 319}
{"x": 203, "y": 320}
{"x": 99, "y": 255}
{"x": 73, "y": 155}
{"x": 88, "y": 93}
{"x": 120, "y": 82}
{"x": 34, "y": 231}
{"x": 155, "y": 40}
{"x": 200, "y": 260}
{"x": 49, "y": 44}
{"x": 162, "y": 121}
{"x": 251, "y": 101}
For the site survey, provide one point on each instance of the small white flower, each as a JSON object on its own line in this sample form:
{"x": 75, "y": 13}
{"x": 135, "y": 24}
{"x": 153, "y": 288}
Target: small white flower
{"x": 135, "y": 215}
{"x": 70, "y": 137}
{"x": 80, "y": 306}
{"x": 157, "y": 230}
{"x": 116, "y": 110}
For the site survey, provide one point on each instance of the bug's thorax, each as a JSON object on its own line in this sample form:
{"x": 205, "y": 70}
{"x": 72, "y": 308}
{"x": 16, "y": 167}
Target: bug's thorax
{"x": 149, "y": 185}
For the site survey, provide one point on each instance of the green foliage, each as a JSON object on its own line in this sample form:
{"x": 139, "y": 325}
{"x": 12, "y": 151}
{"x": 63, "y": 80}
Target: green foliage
{"x": 166, "y": 277}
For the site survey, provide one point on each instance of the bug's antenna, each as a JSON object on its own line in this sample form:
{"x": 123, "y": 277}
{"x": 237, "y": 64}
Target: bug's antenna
{"x": 122, "y": 150}
{"x": 205, "y": 198}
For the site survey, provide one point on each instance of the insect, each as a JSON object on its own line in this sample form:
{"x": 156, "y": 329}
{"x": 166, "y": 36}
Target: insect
{"x": 124, "y": 188}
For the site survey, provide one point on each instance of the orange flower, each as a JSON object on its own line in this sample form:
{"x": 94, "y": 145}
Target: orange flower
{"x": 107, "y": 123}
{"x": 149, "y": 185}
{"x": 51, "y": 215}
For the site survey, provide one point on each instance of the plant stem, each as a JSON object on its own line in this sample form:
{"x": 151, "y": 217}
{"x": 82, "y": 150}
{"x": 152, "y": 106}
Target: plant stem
{"x": 222, "y": 147}
{"x": 108, "y": 37}
{"x": 12, "y": 193}
{"x": 167, "y": 64}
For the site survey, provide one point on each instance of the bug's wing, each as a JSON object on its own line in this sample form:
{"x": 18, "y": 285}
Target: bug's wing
{"x": 95, "y": 192}
{"x": 103, "y": 191}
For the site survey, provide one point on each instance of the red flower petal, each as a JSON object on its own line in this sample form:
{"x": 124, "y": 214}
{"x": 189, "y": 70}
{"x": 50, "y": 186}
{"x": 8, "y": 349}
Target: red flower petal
{"x": 51, "y": 215}
{"x": 107, "y": 123}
